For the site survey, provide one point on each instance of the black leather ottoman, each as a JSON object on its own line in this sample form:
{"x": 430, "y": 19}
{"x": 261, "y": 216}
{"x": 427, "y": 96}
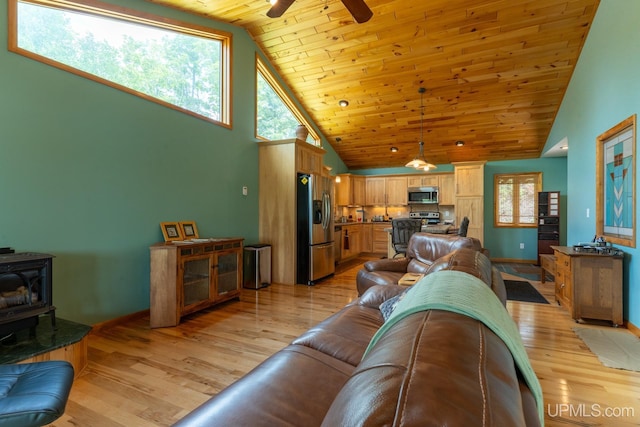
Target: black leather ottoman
{"x": 34, "y": 394}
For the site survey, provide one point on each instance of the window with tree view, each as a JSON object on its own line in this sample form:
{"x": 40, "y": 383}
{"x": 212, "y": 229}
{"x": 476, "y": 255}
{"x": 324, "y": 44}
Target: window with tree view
{"x": 515, "y": 199}
{"x": 277, "y": 116}
{"x": 182, "y": 66}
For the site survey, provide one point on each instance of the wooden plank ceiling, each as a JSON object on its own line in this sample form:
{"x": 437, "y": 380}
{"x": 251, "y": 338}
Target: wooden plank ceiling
{"x": 495, "y": 71}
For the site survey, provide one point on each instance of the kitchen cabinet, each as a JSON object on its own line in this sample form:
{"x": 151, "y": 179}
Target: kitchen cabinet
{"x": 350, "y": 191}
{"x": 589, "y": 285}
{"x": 386, "y": 191}
{"x": 366, "y": 237}
{"x": 278, "y": 164}
{"x": 430, "y": 180}
{"x": 309, "y": 159}
{"x": 188, "y": 277}
{"x": 380, "y": 238}
{"x": 376, "y": 193}
{"x": 469, "y": 196}
{"x": 351, "y": 240}
{"x": 446, "y": 193}
{"x": 396, "y": 190}
{"x": 469, "y": 178}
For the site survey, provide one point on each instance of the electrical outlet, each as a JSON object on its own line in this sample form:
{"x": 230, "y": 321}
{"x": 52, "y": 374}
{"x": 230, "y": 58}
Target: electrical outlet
{"x": 521, "y": 245}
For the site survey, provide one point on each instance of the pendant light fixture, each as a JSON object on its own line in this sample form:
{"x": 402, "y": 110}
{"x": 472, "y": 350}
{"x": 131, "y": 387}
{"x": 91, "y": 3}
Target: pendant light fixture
{"x": 419, "y": 162}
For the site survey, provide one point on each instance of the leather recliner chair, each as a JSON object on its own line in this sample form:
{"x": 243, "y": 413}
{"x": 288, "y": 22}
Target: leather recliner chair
{"x": 423, "y": 250}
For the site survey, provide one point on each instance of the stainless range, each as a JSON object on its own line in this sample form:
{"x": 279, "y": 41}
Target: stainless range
{"x": 428, "y": 217}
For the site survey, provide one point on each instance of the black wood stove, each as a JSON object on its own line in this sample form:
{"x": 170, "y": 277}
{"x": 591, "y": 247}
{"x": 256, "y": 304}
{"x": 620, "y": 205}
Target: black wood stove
{"x": 25, "y": 291}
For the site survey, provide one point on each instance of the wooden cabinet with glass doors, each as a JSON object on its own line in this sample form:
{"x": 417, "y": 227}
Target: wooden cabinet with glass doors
{"x": 188, "y": 277}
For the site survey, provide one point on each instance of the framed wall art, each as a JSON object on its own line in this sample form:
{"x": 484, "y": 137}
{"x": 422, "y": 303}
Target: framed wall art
{"x": 171, "y": 231}
{"x": 616, "y": 183}
{"x": 189, "y": 229}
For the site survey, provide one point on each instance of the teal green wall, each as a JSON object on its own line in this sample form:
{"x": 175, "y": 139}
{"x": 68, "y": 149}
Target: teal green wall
{"x": 88, "y": 172}
{"x": 505, "y": 242}
{"x": 604, "y": 90}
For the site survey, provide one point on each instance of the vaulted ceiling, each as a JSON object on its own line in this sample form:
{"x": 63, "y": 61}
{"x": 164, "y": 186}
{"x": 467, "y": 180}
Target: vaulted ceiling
{"x": 495, "y": 71}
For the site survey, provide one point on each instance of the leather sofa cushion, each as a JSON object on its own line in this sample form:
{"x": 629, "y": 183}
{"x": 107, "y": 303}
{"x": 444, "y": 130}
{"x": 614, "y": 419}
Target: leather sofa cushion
{"x": 422, "y": 372}
{"x": 425, "y": 248}
{"x": 344, "y": 335}
{"x": 294, "y": 387}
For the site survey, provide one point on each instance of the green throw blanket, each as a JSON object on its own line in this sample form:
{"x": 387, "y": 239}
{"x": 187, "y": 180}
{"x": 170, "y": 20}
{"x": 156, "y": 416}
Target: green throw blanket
{"x": 465, "y": 294}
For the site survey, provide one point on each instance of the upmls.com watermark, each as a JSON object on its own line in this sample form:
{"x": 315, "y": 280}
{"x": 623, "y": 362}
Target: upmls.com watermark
{"x": 583, "y": 410}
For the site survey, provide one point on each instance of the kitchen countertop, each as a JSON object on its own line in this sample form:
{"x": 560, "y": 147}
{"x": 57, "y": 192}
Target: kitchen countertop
{"x": 358, "y": 222}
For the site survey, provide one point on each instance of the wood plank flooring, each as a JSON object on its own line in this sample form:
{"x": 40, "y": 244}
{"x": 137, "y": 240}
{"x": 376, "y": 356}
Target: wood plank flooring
{"x": 142, "y": 377}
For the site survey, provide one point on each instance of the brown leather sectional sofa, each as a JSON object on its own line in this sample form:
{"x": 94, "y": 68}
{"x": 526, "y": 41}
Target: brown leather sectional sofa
{"x": 423, "y": 250}
{"x": 432, "y": 368}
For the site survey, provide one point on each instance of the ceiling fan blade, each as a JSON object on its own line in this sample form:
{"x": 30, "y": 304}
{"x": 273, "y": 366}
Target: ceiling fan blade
{"x": 279, "y": 8}
{"x": 359, "y": 9}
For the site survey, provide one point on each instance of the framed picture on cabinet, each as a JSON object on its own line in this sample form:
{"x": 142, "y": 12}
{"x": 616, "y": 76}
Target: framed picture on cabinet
{"x": 189, "y": 229}
{"x": 171, "y": 231}
{"x": 615, "y": 184}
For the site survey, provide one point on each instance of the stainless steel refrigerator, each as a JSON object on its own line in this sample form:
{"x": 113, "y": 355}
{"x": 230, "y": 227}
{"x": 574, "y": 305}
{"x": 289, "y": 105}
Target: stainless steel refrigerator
{"x": 315, "y": 256}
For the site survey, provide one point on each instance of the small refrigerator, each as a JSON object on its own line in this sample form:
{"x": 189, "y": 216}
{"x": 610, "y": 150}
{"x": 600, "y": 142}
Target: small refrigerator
{"x": 257, "y": 266}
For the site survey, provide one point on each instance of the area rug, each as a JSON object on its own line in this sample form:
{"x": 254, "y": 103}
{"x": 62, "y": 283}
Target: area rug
{"x": 616, "y": 348}
{"x": 520, "y": 290}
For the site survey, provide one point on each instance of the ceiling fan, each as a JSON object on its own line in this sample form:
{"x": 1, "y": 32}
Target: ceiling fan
{"x": 358, "y": 8}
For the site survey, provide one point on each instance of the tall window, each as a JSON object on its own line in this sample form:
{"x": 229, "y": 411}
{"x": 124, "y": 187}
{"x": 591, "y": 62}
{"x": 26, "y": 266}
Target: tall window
{"x": 276, "y": 115}
{"x": 516, "y": 198}
{"x": 182, "y": 66}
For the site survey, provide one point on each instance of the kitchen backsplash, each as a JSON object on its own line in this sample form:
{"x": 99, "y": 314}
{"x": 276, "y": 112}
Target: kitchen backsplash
{"x": 447, "y": 213}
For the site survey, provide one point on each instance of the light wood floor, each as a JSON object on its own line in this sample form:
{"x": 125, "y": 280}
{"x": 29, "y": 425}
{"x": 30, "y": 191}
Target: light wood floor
{"x": 142, "y": 377}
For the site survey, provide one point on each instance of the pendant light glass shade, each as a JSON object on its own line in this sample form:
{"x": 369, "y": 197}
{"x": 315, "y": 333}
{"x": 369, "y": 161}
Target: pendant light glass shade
{"x": 419, "y": 162}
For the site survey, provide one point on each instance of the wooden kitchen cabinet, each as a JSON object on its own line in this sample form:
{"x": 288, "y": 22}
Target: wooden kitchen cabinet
{"x": 359, "y": 190}
{"x": 396, "y": 190}
{"x": 366, "y": 237}
{"x": 446, "y": 193}
{"x": 589, "y": 285}
{"x": 309, "y": 159}
{"x": 188, "y": 277}
{"x": 376, "y": 193}
{"x": 350, "y": 191}
{"x": 469, "y": 196}
{"x": 380, "y": 238}
{"x": 386, "y": 191}
{"x": 430, "y": 180}
{"x": 351, "y": 240}
{"x": 469, "y": 179}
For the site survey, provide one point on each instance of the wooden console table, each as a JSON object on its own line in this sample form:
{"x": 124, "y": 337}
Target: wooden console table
{"x": 589, "y": 285}
{"x": 192, "y": 275}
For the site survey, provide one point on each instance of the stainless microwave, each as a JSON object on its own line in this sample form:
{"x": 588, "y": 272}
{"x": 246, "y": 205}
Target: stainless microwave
{"x": 423, "y": 195}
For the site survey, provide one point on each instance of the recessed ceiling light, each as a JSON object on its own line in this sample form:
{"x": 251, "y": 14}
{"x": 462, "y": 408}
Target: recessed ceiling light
{"x": 394, "y": 149}
{"x": 459, "y": 143}
{"x": 343, "y": 103}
